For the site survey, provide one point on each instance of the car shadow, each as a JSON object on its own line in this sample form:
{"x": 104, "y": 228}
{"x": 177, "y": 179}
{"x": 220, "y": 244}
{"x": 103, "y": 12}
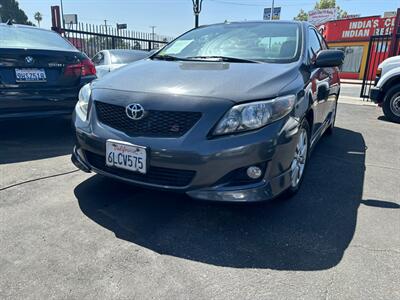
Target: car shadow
{"x": 311, "y": 231}
{"x": 24, "y": 140}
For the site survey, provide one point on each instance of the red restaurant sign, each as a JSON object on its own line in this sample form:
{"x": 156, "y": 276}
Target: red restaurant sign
{"x": 357, "y": 29}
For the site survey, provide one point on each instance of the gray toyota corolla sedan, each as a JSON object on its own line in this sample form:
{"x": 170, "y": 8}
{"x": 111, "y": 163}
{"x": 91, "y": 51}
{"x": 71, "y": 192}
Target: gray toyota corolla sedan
{"x": 226, "y": 112}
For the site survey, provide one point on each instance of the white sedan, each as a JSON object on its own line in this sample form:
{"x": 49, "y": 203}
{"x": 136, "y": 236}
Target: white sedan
{"x": 109, "y": 60}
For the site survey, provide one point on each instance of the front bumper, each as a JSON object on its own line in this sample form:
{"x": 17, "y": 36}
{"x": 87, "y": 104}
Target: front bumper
{"x": 193, "y": 163}
{"x": 376, "y": 94}
{"x": 211, "y": 160}
{"x": 253, "y": 192}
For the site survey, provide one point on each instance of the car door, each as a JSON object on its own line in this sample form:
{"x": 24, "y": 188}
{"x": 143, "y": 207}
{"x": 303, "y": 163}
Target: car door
{"x": 334, "y": 84}
{"x": 320, "y": 81}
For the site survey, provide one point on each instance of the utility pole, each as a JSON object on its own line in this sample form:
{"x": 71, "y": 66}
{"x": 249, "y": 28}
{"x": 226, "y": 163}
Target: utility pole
{"x": 197, "y": 5}
{"x": 105, "y": 25}
{"x": 272, "y": 10}
{"x": 153, "y": 36}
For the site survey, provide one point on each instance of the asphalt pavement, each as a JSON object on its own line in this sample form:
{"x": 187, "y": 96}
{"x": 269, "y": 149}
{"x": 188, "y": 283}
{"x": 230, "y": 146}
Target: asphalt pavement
{"x": 351, "y": 90}
{"x": 69, "y": 235}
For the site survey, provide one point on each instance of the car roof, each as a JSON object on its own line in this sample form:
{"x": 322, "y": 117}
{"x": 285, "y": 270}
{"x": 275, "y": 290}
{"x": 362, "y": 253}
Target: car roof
{"x": 126, "y": 50}
{"x": 259, "y": 21}
{"x": 23, "y": 26}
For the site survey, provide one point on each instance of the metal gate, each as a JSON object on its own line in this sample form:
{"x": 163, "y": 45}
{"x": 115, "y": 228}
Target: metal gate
{"x": 378, "y": 51}
{"x": 91, "y": 39}
{"x": 380, "y": 48}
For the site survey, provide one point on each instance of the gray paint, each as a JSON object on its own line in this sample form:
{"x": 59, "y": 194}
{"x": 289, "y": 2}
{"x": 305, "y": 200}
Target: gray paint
{"x": 213, "y": 88}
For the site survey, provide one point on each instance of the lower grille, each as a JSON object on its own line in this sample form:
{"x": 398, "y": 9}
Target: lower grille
{"x": 155, "y": 175}
{"x": 156, "y": 123}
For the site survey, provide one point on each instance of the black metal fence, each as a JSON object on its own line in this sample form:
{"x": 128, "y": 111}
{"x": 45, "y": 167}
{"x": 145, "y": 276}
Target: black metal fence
{"x": 378, "y": 51}
{"x": 94, "y": 38}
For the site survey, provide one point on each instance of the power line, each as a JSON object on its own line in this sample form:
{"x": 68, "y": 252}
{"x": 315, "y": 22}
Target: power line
{"x": 263, "y": 3}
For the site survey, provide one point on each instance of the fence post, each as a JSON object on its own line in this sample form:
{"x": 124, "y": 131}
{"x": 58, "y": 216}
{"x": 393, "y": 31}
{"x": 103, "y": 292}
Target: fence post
{"x": 113, "y": 43}
{"x": 393, "y": 43}
{"x": 363, "y": 93}
{"x": 149, "y": 46}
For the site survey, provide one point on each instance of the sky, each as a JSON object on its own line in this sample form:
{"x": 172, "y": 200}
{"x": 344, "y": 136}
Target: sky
{"x": 173, "y": 17}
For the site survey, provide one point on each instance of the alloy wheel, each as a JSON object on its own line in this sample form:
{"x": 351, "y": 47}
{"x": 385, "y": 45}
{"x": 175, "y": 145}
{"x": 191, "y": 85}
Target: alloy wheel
{"x": 300, "y": 158}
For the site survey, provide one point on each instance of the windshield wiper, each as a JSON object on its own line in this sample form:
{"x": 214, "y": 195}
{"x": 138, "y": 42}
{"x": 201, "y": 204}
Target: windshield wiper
{"x": 167, "y": 57}
{"x": 223, "y": 58}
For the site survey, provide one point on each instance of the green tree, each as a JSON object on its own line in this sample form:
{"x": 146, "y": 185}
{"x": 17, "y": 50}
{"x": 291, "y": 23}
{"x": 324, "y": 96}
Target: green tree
{"x": 302, "y": 16}
{"x": 322, "y": 4}
{"x": 38, "y": 17}
{"x": 9, "y": 10}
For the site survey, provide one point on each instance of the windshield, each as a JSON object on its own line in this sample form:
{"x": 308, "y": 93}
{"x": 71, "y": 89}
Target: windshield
{"x": 25, "y": 37}
{"x": 125, "y": 57}
{"x": 258, "y": 41}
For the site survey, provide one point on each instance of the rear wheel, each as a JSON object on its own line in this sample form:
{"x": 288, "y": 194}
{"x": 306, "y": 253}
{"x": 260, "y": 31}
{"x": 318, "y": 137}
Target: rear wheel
{"x": 391, "y": 104}
{"x": 300, "y": 159}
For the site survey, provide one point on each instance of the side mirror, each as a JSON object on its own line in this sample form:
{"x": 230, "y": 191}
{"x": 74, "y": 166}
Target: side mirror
{"x": 329, "y": 58}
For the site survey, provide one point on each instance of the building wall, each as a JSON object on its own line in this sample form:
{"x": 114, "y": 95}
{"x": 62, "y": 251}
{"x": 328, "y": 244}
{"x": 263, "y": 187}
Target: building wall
{"x": 352, "y": 36}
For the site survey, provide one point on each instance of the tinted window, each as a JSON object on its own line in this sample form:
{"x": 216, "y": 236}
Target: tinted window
{"x": 31, "y": 38}
{"x": 261, "y": 41}
{"x": 314, "y": 43}
{"x": 98, "y": 59}
{"x": 125, "y": 57}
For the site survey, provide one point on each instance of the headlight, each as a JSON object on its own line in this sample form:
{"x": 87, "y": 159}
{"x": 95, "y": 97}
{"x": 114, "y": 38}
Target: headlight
{"x": 83, "y": 102}
{"x": 254, "y": 115}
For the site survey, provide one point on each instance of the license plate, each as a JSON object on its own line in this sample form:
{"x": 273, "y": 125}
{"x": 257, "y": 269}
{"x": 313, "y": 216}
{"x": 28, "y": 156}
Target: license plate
{"x": 30, "y": 75}
{"x": 126, "y": 156}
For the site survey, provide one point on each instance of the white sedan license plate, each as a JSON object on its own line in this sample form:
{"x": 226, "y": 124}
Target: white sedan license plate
{"x": 126, "y": 156}
{"x": 30, "y": 75}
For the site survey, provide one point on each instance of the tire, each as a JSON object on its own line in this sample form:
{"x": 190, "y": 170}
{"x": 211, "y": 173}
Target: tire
{"x": 331, "y": 128}
{"x": 296, "y": 184}
{"x": 391, "y": 104}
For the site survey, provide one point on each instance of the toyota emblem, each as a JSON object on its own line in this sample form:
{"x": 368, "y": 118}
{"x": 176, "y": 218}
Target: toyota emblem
{"x": 29, "y": 60}
{"x": 134, "y": 111}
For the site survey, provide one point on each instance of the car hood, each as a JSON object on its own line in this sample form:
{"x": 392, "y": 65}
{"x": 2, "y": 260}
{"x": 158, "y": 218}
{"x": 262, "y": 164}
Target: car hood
{"x": 389, "y": 64}
{"x": 234, "y": 81}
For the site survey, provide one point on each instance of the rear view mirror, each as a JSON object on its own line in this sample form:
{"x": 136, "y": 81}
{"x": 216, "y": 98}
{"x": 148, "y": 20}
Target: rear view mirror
{"x": 329, "y": 58}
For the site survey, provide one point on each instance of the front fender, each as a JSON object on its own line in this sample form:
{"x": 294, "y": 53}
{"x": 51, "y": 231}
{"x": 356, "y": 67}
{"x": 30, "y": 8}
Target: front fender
{"x": 393, "y": 73}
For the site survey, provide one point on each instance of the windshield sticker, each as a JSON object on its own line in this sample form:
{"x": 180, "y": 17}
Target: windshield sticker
{"x": 177, "y": 47}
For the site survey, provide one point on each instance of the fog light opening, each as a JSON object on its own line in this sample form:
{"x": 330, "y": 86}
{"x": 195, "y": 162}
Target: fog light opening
{"x": 254, "y": 172}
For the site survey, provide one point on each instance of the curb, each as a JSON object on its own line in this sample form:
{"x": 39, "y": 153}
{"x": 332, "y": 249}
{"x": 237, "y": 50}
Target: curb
{"x": 355, "y": 101}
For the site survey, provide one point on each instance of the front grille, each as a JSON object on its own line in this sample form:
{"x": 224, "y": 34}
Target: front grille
{"x": 156, "y": 123}
{"x": 154, "y": 175}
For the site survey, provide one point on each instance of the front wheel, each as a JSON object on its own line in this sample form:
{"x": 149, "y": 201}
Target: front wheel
{"x": 300, "y": 159}
{"x": 391, "y": 104}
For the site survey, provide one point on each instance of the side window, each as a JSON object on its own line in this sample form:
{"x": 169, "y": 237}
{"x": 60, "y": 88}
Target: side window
{"x": 314, "y": 44}
{"x": 98, "y": 59}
